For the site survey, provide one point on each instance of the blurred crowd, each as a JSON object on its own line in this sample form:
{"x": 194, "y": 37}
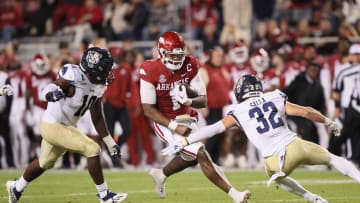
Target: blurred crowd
{"x": 260, "y": 37}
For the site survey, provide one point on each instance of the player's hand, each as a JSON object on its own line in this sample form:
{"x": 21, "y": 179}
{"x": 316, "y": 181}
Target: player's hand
{"x": 174, "y": 147}
{"x": 6, "y": 90}
{"x": 55, "y": 95}
{"x": 333, "y": 126}
{"x": 112, "y": 147}
{"x": 181, "y": 95}
{"x": 183, "y": 130}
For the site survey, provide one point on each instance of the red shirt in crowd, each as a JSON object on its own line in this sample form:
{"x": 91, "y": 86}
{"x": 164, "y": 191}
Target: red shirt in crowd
{"x": 117, "y": 93}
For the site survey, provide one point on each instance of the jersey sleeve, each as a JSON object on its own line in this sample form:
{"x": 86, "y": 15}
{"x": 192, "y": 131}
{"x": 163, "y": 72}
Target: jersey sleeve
{"x": 282, "y": 95}
{"x": 67, "y": 73}
{"x": 198, "y": 85}
{"x": 145, "y": 73}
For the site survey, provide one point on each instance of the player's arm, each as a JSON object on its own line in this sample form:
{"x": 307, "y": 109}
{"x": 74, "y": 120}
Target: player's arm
{"x": 200, "y": 101}
{"x": 148, "y": 102}
{"x": 98, "y": 119}
{"x": 203, "y": 133}
{"x": 61, "y": 87}
{"x": 311, "y": 114}
{"x": 209, "y": 131}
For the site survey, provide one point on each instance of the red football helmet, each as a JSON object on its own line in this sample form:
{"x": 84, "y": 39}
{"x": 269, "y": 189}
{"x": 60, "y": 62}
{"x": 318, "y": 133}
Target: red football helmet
{"x": 239, "y": 53}
{"x": 171, "y": 48}
{"x": 40, "y": 64}
{"x": 260, "y": 60}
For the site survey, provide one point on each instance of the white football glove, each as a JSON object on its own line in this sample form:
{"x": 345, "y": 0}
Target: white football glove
{"x": 181, "y": 95}
{"x": 334, "y": 127}
{"x": 174, "y": 147}
{"x": 6, "y": 90}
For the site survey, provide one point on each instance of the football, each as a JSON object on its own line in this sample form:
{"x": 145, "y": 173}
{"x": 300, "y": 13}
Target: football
{"x": 191, "y": 93}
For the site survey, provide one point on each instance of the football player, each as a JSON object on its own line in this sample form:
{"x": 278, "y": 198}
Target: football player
{"x": 262, "y": 117}
{"x": 168, "y": 105}
{"x": 77, "y": 89}
{"x": 40, "y": 77}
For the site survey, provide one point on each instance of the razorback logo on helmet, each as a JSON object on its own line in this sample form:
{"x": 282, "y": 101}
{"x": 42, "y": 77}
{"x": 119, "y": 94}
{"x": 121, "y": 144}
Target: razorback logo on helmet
{"x": 93, "y": 58}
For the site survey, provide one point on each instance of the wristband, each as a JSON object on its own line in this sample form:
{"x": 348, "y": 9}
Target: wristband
{"x": 327, "y": 121}
{"x": 188, "y": 102}
{"x": 172, "y": 125}
{"x": 109, "y": 141}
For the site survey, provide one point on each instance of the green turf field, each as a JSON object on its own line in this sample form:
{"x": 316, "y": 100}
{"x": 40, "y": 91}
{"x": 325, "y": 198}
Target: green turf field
{"x": 188, "y": 187}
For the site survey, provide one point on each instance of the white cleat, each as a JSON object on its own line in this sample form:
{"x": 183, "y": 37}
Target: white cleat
{"x": 318, "y": 199}
{"x": 242, "y": 197}
{"x": 14, "y": 195}
{"x": 159, "y": 182}
{"x": 112, "y": 197}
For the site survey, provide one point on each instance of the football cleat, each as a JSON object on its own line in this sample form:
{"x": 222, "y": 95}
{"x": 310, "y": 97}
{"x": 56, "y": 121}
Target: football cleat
{"x": 14, "y": 195}
{"x": 112, "y": 197}
{"x": 318, "y": 199}
{"x": 242, "y": 197}
{"x": 159, "y": 182}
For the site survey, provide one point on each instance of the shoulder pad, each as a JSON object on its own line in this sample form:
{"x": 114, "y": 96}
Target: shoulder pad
{"x": 67, "y": 73}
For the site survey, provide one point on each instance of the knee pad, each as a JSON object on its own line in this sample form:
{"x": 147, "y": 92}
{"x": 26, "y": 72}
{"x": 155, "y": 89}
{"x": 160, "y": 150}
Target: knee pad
{"x": 91, "y": 149}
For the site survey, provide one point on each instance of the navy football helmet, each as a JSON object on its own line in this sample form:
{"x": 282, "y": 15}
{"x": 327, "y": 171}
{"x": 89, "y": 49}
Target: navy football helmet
{"x": 97, "y": 63}
{"x": 248, "y": 86}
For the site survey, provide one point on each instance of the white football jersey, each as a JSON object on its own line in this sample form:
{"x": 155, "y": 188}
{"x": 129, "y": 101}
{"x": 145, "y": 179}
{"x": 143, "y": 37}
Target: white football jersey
{"x": 264, "y": 122}
{"x": 69, "y": 109}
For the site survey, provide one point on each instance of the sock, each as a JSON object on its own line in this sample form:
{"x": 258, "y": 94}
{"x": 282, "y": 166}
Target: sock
{"x": 232, "y": 192}
{"x": 21, "y": 184}
{"x": 161, "y": 175}
{"x": 345, "y": 167}
{"x": 294, "y": 187}
{"x": 102, "y": 189}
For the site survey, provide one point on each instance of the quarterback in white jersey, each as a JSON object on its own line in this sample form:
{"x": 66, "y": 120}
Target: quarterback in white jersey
{"x": 77, "y": 89}
{"x": 263, "y": 118}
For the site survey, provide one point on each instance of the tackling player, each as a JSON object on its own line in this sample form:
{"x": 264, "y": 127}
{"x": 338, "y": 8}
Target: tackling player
{"x": 262, "y": 117}
{"x": 77, "y": 89}
{"x": 167, "y": 104}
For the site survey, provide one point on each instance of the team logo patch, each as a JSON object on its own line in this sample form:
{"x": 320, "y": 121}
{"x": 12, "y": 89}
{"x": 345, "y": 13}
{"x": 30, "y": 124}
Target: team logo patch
{"x": 93, "y": 58}
{"x": 162, "y": 78}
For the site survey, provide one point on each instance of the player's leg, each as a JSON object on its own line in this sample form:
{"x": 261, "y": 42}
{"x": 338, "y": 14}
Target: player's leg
{"x": 218, "y": 178}
{"x": 49, "y": 155}
{"x": 294, "y": 187}
{"x": 315, "y": 154}
{"x": 296, "y": 153}
{"x": 177, "y": 164}
{"x": 75, "y": 141}
{"x": 159, "y": 176}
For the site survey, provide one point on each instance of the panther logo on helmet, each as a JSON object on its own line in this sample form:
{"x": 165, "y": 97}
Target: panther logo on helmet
{"x": 171, "y": 49}
{"x": 248, "y": 86}
{"x": 97, "y": 63}
{"x": 93, "y": 58}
